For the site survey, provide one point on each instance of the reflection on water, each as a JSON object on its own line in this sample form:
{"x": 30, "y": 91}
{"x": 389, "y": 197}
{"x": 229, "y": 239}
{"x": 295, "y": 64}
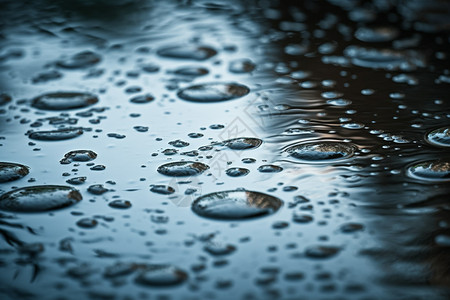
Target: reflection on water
{"x": 260, "y": 149}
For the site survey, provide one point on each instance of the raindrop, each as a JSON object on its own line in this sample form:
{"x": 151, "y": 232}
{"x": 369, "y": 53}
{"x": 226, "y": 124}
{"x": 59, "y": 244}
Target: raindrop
{"x": 12, "y": 171}
{"x": 63, "y": 100}
{"x": 187, "y": 52}
{"x": 243, "y": 143}
{"x": 439, "y": 137}
{"x": 161, "y": 275}
{"x": 56, "y": 135}
{"x": 182, "y": 168}
{"x": 321, "y": 151}
{"x": 78, "y": 155}
{"x": 80, "y": 60}
{"x": 235, "y": 205}
{"x": 39, "y": 198}
{"x": 237, "y": 172}
{"x": 213, "y": 92}
{"x": 433, "y": 170}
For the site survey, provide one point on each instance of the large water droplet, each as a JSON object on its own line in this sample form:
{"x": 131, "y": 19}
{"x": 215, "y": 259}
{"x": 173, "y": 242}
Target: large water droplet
{"x": 56, "y": 135}
{"x": 213, "y": 92}
{"x": 439, "y": 137}
{"x": 321, "y": 151}
{"x": 80, "y": 60}
{"x": 39, "y": 198}
{"x": 12, "y": 171}
{"x": 182, "y": 168}
{"x": 432, "y": 170}
{"x": 78, "y": 155}
{"x": 187, "y": 52}
{"x": 64, "y": 100}
{"x": 243, "y": 143}
{"x": 161, "y": 275}
{"x": 235, "y": 205}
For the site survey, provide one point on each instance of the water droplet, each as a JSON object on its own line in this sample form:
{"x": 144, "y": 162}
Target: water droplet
{"x": 182, "y": 168}
{"x": 97, "y": 189}
{"x": 353, "y": 125}
{"x": 243, "y": 143}
{"x": 351, "y": 227}
{"x": 376, "y": 34}
{"x": 270, "y": 169}
{"x": 162, "y": 189}
{"x": 77, "y": 180}
{"x": 39, "y": 198}
{"x": 4, "y": 99}
{"x": 302, "y": 218}
{"x": 339, "y": 102}
{"x": 213, "y": 92}
{"x": 237, "y": 172}
{"x": 187, "y": 52}
{"x": 179, "y": 143}
{"x": 78, "y": 155}
{"x": 439, "y": 137}
{"x": 191, "y": 71}
{"x": 321, "y": 151}
{"x": 87, "y": 223}
{"x": 80, "y": 60}
{"x": 319, "y": 251}
{"x": 244, "y": 65}
{"x": 161, "y": 275}
{"x": 433, "y": 170}
{"x": 63, "y": 100}
{"x": 12, "y": 171}
{"x": 120, "y": 204}
{"x": 235, "y": 205}
{"x": 218, "y": 249}
{"x": 56, "y": 135}
{"x": 142, "y": 99}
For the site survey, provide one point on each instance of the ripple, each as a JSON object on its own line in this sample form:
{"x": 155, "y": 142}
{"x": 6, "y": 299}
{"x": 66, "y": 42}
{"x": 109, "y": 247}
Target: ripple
{"x": 243, "y": 143}
{"x": 78, "y": 155}
{"x": 432, "y": 170}
{"x": 213, "y": 92}
{"x": 321, "y": 151}
{"x": 56, "y": 135}
{"x": 80, "y": 60}
{"x": 12, "y": 171}
{"x": 187, "y": 52}
{"x": 182, "y": 168}
{"x": 161, "y": 275}
{"x": 39, "y": 198}
{"x": 439, "y": 137}
{"x": 64, "y": 100}
{"x": 235, "y": 205}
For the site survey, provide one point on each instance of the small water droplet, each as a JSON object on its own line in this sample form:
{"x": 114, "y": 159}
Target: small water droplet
{"x": 213, "y": 92}
{"x": 182, "y": 168}
{"x": 64, "y": 100}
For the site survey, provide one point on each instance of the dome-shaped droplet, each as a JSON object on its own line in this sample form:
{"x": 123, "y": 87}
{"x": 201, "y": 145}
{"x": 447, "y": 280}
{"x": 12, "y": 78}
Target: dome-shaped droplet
{"x": 376, "y": 34}
{"x": 120, "y": 204}
{"x": 218, "y": 249}
{"x": 187, "y": 52}
{"x": 270, "y": 169}
{"x": 80, "y": 60}
{"x": 161, "y": 275}
{"x": 321, "y": 251}
{"x": 191, "y": 71}
{"x": 64, "y": 100}
{"x": 213, "y": 92}
{"x": 39, "y": 198}
{"x": 243, "y": 143}
{"x": 244, "y": 65}
{"x": 12, "y": 171}
{"x": 321, "y": 151}
{"x": 56, "y": 135}
{"x": 433, "y": 170}
{"x": 235, "y": 205}
{"x": 78, "y": 155}
{"x": 439, "y": 137}
{"x": 182, "y": 168}
{"x": 142, "y": 99}
{"x": 162, "y": 189}
{"x": 237, "y": 172}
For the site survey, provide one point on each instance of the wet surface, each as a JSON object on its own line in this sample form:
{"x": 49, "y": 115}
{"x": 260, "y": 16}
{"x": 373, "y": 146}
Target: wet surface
{"x": 198, "y": 149}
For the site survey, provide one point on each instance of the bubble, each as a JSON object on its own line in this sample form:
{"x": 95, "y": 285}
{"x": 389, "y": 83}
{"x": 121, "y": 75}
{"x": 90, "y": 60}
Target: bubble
{"x": 12, "y": 171}
{"x": 87, "y": 223}
{"x": 162, "y": 189}
{"x": 219, "y": 249}
{"x": 243, "y": 143}
{"x": 213, "y": 92}
{"x": 237, "y": 172}
{"x": 80, "y": 60}
{"x": 191, "y": 71}
{"x": 432, "y": 170}
{"x": 120, "y": 204}
{"x": 142, "y": 99}
{"x": 39, "y": 198}
{"x": 270, "y": 169}
{"x": 321, "y": 251}
{"x": 244, "y": 65}
{"x": 182, "y": 168}
{"x": 321, "y": 151}
{"x": 235, "y": 205}
{"x": 63, "y": 100}
{"x": 439, "y": 137}
{"x": 78, "y": 155}
{"x": 376, "y": 34}
{"x": 187, "y": 52}
{"x": 161, "y": 275}
{"x": 56, "y": 135}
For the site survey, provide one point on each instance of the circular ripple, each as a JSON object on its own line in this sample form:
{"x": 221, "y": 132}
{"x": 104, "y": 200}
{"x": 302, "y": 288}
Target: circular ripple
{"x": 243, "y": 143}
{"x": 432, "y": 170}
{"x": 439, "y": 137}
{"x": 235, "y": 205}
{"x": 161, "y": 275}
{"x": 64, "y": 100}
{"x": 182, "y": 168}
{"x": 213, "y": 92}
{"x": 56, "y": 135}
{"x": 321, "y": 151}
{"x": 39, "y": 198}
{"x": 12, "y": 171}
{"x": 187, "y": 52}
